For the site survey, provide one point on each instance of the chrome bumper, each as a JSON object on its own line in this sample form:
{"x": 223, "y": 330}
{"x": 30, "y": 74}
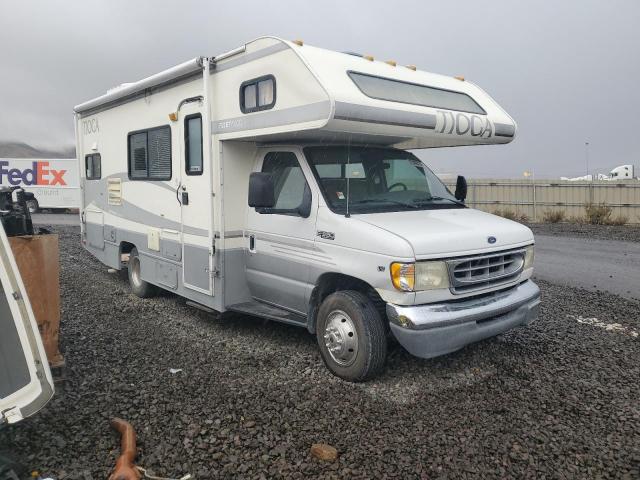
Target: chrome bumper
{"x": 436, "y": 329}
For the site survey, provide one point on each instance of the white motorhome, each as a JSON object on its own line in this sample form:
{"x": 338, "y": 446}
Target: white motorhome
{"x": 52, "y": 182}
{"x": 25, "y": 378}
{"x": 274, "y": 180}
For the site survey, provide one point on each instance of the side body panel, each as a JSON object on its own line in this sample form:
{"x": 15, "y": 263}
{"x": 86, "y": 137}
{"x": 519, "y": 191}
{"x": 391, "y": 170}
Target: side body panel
{"x": 119, "y": 212}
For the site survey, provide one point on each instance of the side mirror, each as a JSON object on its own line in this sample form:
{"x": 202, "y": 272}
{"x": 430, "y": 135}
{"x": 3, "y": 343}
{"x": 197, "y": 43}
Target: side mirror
{"x": 461, "y": 188}
{"x": 304, "y": 210}
{"x": 261, "y": 191}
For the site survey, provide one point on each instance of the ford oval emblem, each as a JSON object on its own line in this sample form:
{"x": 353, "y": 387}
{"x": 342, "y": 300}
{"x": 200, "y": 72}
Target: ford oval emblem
{"x": 491, "y": 240}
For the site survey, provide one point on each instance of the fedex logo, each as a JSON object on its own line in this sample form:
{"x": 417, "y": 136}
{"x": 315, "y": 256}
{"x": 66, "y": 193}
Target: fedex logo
{"x": 39, "y": 174}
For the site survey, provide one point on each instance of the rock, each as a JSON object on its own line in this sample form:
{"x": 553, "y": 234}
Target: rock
{"x": 324, "y": 452}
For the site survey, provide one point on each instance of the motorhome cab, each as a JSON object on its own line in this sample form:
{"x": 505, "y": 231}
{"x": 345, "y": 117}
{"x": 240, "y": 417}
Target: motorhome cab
{"x": 277, "y": 180}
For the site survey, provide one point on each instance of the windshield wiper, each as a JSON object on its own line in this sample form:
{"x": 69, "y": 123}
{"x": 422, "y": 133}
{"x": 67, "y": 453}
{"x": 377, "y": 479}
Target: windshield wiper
{"x": 429, "y": 199}
{"x": 381, "y": 200}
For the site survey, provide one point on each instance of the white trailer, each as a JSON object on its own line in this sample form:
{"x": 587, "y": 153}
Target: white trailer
{"x": 54, "y": 182}
{"x": 274, "y": 180}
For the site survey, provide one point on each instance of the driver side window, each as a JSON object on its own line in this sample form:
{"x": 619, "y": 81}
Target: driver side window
{"x": 288, "y": 180}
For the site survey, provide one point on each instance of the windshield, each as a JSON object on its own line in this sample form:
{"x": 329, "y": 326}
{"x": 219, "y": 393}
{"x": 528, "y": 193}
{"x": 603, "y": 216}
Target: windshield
{"x": 379, "y": 180}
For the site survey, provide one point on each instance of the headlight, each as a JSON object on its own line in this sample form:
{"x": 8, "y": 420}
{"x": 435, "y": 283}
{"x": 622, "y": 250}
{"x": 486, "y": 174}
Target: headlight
{"x": 528, "y": 257}
{"x": 431, "y": 275}
{"x": 411, "y": 277}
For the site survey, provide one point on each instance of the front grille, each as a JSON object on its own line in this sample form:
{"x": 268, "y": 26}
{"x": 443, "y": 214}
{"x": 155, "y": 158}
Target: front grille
{"x": 469, "y": 274}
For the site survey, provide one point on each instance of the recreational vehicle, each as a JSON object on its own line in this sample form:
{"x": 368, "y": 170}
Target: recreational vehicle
{"x": 277, "y": 180}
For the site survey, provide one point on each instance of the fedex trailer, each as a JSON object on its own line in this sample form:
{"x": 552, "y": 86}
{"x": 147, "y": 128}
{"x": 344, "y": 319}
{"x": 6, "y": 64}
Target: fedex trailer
{"x": 277, "y": 180}
{"x": 53, "y": 182}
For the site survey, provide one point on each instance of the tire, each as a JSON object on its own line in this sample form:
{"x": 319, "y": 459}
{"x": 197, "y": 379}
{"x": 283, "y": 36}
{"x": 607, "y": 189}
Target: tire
{"x": 33, "y": 206}
{"x": 349, "y": 321}
{"x": 139, "y": 287}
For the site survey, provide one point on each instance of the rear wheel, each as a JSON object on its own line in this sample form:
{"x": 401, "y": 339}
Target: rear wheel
{"x": 33, "y": 205}
{"x": 351, "y": 336}
{"x": 138, "y": 286}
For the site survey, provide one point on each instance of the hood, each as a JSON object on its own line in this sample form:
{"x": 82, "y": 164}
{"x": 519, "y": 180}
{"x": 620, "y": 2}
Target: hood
{"x": 451, "y": 232}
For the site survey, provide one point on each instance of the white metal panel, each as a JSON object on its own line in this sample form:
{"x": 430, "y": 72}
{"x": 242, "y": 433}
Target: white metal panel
{"x": 39, "y": 389}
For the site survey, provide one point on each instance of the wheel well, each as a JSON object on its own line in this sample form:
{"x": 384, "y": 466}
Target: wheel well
{"x": 125, "y": 248}
{"x": 329, "y": 283}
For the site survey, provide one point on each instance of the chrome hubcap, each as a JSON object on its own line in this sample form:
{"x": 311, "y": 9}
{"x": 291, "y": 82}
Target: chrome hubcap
{"x": 341, "y": 338}
{"x": 135, "y": 271}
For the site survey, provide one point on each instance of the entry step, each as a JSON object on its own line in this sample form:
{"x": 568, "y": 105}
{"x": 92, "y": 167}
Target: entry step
{"x": 262, "y": 310}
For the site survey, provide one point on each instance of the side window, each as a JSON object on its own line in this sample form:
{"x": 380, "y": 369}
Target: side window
{"x": 150, "y": 154}
{"x": 93, "y": 166}
{"x": 258, "y": 94}
{"x": 288, "y": 179}
{"x": 193, "y": 144}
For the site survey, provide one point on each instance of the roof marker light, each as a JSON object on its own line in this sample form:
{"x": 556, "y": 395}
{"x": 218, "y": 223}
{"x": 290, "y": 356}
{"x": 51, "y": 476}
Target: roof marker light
{"x": 411, "y": 67}
{"x": 459, "y": 77}
{"x": 368, "y": 57}
{"x": 391, "y": 62}
{"x": 298, "y": 42}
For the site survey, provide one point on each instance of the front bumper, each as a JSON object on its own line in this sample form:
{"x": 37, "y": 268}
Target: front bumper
{"x": 436, "y": 329}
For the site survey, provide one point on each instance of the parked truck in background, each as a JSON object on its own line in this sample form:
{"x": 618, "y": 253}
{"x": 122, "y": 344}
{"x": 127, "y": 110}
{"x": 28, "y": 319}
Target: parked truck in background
{"x": 51, "y": 183}
{"x": 277, "y": 180}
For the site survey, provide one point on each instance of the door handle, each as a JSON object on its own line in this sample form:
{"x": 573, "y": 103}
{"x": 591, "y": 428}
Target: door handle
{"x": 252, "y": 243}
{"x": 185, "y": 198}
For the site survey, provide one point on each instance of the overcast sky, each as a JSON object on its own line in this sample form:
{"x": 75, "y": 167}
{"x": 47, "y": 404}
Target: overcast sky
{"x": 567, "y": 71}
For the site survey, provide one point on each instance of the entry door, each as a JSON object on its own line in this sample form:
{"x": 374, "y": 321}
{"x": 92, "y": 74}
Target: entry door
{"x": 196, "y": 201}
{"x": 281, "y": 243}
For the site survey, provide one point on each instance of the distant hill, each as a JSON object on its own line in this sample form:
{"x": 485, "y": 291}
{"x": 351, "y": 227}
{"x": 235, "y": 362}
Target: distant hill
{"x": 23, "y": 150}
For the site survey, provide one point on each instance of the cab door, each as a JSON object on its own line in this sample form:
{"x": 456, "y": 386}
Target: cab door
{"x": 196, "y": 202}
{"x": 281, "y": 239}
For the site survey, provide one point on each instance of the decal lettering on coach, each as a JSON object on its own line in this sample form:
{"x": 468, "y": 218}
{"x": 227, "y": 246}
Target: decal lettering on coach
{"x": 459, "y": 123}
{"x": 326, "y": 235}
{"x": 39, "y": 174}
{"x": 90, "y": 126}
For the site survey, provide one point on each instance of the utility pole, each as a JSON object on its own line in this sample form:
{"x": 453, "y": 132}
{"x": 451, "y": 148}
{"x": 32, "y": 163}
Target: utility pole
{"x": 586, "y": 155}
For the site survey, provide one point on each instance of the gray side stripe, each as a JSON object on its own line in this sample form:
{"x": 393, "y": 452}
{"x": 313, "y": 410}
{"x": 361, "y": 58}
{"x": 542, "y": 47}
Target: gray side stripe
{"x": 249, "y": 57}
{"x": 362, "y": 113}
{"x": 145, "y": 217}
{"x": 124, "y": 177}
{"x": 504, "y": 130}
{"x": 274, "y": 118}
{"x": 289, "y": 241}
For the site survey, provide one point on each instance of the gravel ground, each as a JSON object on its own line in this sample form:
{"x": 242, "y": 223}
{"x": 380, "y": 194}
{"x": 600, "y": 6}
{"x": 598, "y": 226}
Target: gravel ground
{"x": 556, "y": 400}
{"x": 628, "y": 233}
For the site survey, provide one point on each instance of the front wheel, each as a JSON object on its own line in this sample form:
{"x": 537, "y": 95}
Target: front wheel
{"x": 139, "y": 287}
{"x": 351, "y": 336}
